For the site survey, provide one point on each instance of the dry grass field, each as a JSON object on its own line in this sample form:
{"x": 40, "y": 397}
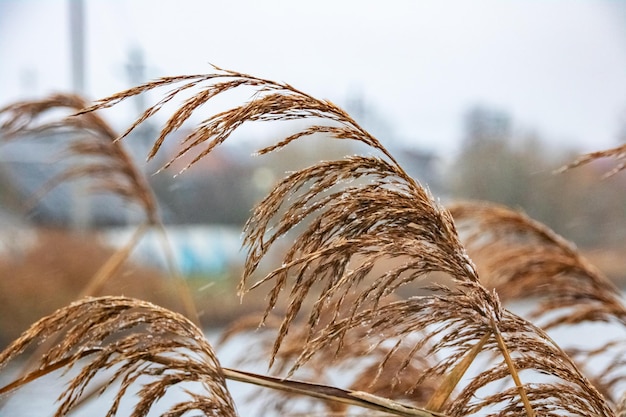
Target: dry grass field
{"x": 375, "y": 280}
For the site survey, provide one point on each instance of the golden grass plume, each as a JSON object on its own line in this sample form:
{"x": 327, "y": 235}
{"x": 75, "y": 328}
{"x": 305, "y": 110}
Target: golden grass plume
{"x": 93, "y": 152}
{"x": 91, "y": 143}
{"x": 524, "y": 259}
{"x": 129, "y": 343}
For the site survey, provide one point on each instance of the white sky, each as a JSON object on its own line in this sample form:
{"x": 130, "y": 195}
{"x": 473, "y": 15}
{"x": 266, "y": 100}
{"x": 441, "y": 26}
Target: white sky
{"x": 558, "y": 67}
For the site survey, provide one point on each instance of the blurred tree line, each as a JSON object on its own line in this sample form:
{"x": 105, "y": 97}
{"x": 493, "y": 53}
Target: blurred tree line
{"x": 518, "y": 169}
{"x": 496, "y": 162}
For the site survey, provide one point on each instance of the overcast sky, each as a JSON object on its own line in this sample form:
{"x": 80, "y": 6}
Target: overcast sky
{"x": 558, "y": 67}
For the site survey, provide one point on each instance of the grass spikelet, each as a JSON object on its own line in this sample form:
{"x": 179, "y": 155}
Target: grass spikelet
{"x": 617, "y": 153}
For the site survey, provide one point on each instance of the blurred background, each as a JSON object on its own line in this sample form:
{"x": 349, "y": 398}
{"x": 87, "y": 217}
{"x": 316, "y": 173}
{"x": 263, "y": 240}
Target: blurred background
{"x": 481, "y": 100}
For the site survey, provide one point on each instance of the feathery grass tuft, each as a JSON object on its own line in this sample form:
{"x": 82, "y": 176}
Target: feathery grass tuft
{"x": 359, "y": 206}
{"x": 521, "y": 257}
{"x": 136, "y": 347}
{"x": 524, "y": 259}
{"x": 91, "y": 143}
{"x": 271, "y": 101}
{"x": 93, "y": 153}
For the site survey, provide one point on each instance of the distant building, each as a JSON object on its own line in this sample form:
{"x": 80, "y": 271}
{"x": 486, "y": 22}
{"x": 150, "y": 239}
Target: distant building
{"x": 421, "y": 166}
{"x": 31, "y": 166}
{"x": 484, "y": 124}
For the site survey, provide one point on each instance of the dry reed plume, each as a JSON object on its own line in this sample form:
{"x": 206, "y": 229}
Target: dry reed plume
{"x": 342, "y": 218}
{"x": 522, "y": 258}
{"x": 131, "y": 345}
{"x": 92, "y": 153}
{"x": 91, "y": 144}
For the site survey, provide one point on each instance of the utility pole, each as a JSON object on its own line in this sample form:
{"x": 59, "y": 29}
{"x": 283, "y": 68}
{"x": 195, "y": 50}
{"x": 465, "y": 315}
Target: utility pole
{"x": 77, "y": 40}
{"x": 136, "y": 75}
{"x": 80, "y": 204}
